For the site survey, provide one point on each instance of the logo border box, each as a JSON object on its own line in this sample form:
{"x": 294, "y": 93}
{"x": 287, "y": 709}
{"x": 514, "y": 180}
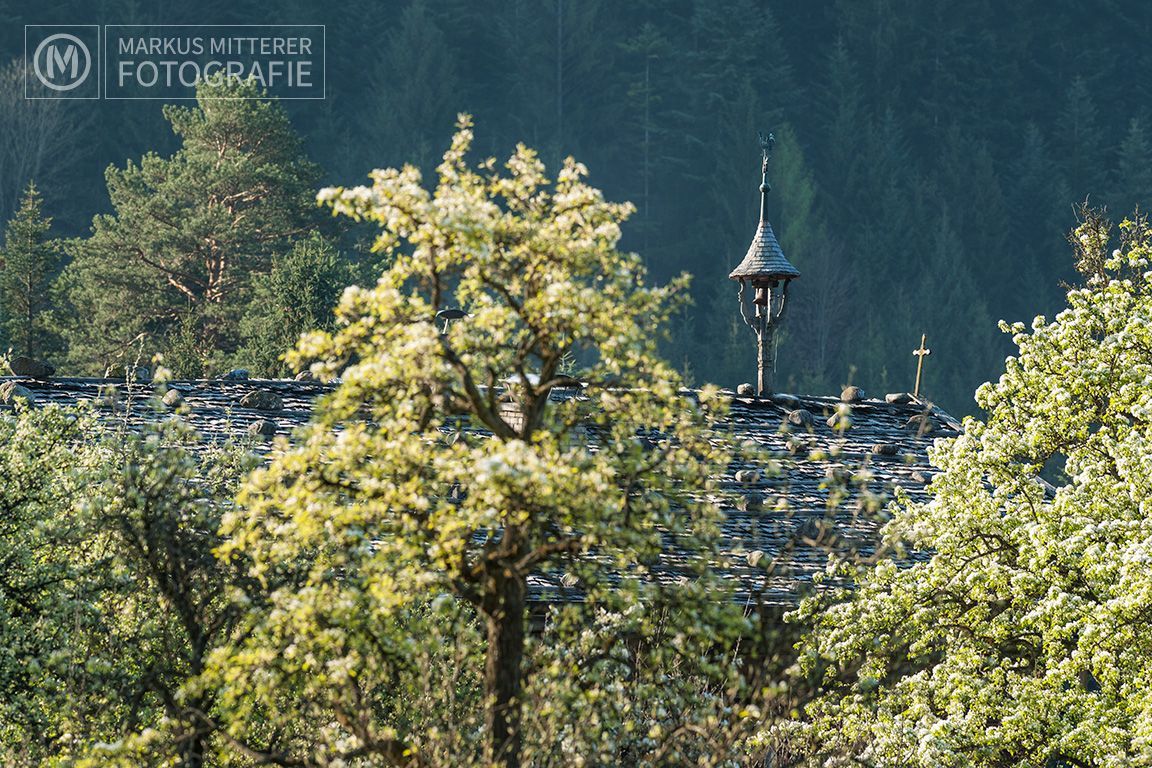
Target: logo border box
{"x": 99, "y": 63}
{"x": 324, "y": 59}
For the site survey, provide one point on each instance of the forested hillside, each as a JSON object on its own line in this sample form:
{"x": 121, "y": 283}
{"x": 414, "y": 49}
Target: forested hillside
{"x": 930, "y": 153}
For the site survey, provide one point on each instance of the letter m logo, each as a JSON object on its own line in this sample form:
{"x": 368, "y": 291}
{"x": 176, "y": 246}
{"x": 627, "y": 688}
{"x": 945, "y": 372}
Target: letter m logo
{"x": 59, "y": 61}
{"x": 56, "y": 60}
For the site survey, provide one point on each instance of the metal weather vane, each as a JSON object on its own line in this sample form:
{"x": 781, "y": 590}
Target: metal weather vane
{"x": 767, "y": 142}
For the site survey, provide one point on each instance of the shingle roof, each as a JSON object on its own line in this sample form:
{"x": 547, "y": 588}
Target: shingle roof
{"x": 765, "y": 257}
{"x": 779, "y": 518}
{"x": 214, "y": 407}
{"x": 786, "y": 520}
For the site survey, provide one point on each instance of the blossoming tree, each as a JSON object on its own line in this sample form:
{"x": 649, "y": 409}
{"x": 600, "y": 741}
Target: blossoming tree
{"x": 1021, "y": 637}
{"x": 501, "y": 412}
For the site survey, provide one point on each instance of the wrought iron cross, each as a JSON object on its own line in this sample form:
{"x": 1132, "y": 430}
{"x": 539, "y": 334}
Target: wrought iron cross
{"x": 920, "y": 355}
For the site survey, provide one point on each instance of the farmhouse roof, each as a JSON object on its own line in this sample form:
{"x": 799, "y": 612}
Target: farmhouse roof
{"x": 823, "y": 445}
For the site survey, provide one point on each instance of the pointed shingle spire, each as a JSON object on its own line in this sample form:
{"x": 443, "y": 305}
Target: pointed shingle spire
{"x": 769, "y": 274}
{"x": 765, "y": 260}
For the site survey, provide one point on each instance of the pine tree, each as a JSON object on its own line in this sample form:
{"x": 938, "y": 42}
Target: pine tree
{"x": 1133, "y": 182}
{"x": 648, "y": 54}
{"x": 823, "y": 304}
{"x": 297, "y": 295}
{"x": 883, "y": 198}
{"x": 951, "y": 310}
{"x": 799, "y": 221}
{"x": 29, "y": 262}
{"x": 842, "y": 118}
{"x": 731, "y": 177}
{"x": 190, "y": 231}
{"x": 1040, "y": 209}
{"x": 738, "y": 42}
{"x": 1082, "y": 141}
{"x": 558, "y": 82}
{"x": 742, "y": 82}
{"x": 966, "y": 176}
{"x": 416, "y": 89}
{"x": 879, "y": 230}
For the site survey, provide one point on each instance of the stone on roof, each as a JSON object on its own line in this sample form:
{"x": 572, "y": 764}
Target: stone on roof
{"x": 27, "y": 366}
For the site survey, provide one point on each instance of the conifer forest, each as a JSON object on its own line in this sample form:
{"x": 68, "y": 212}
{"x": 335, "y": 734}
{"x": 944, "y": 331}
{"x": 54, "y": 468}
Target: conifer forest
{"x": 930, "y": 162}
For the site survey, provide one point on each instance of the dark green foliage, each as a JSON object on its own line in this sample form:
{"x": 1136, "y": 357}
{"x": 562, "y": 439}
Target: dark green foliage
{"x": 29, "y": 262}
{"x": 110, "y": 595}
{"x": 37, "y": 609}
{"x": 174, "y": 264}
{"x": 1002, "y": 115}
{"x": 1132, "y": 187}
{"x": 295, "y": 296}
{"x": 1081, "y": 139}
{"x": 413, "y": 85}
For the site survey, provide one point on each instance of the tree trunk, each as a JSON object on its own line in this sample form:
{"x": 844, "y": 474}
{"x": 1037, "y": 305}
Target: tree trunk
{"x": 505, "y": 614}
{"x": 30, "y": 324}
{"x": 193, "y": 756}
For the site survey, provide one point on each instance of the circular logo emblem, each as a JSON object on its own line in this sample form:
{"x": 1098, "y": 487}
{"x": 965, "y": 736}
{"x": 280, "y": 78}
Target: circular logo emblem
{"x": 61, "y": 62}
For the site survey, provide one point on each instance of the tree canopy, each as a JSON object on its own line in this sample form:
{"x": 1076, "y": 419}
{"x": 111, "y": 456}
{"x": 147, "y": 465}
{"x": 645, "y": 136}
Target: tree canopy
{"x": 296, "y": 295}
{"x": 29, "y": 263}
{"x": 942, "y": 148}
{"x": 506, "y": 420}
{"x": 111, "y": 596}
{"x": 445, "y": 470}
{"x": 1018, "y": 636}
{"x": 175, "y": 262}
